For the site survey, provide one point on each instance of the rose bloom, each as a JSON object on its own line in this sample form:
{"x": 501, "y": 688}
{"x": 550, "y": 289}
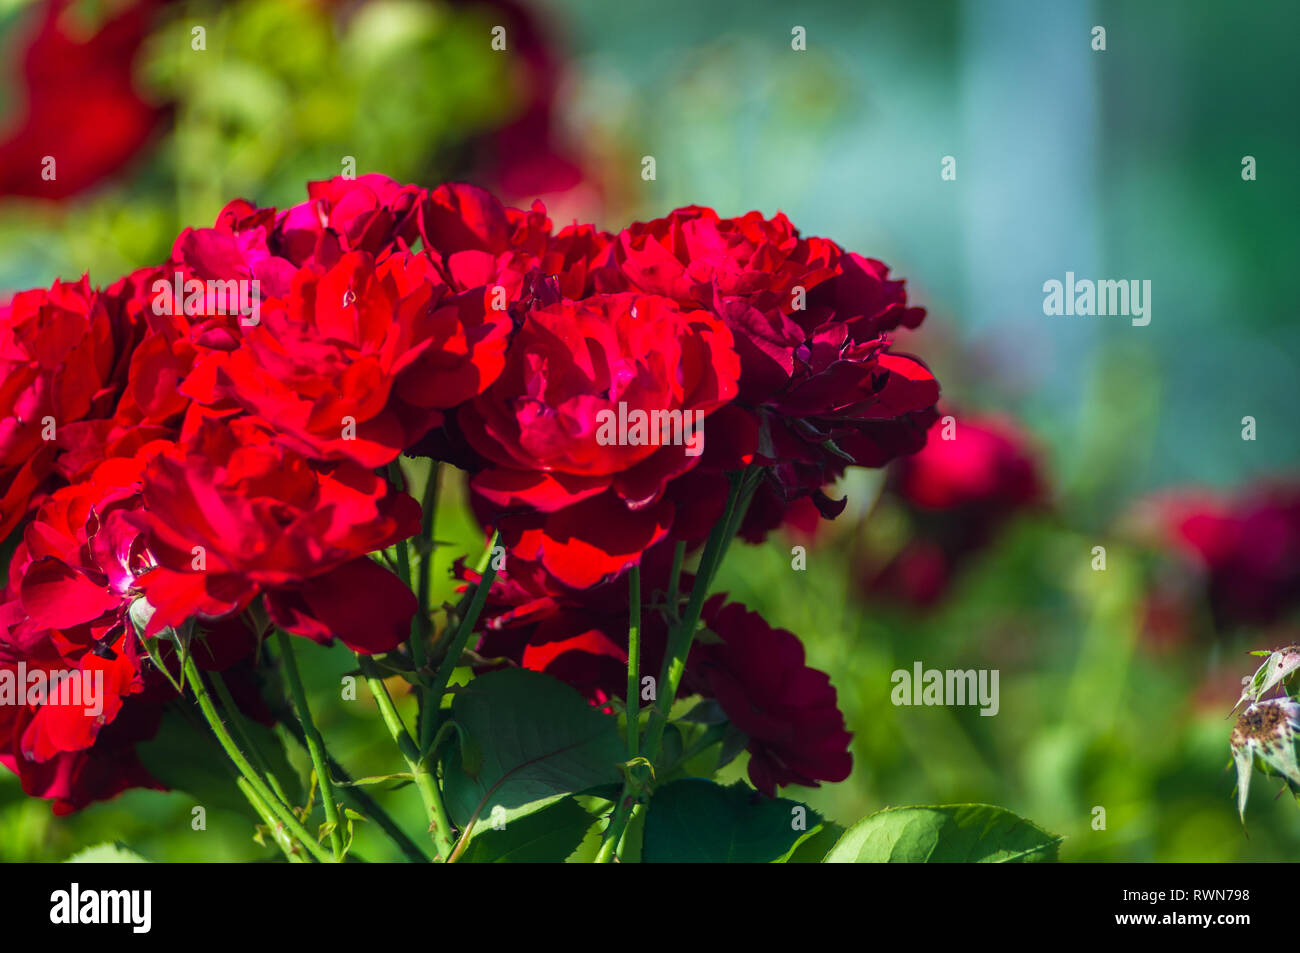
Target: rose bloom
{"x": 62, "y": 359}
{"x": 177, "y": 344}
{"x": 815, "y": 386}
{"x": 229, "y": 515}
{"x": 360, "y": 360}
{"x": 1244, "y": 549}
{"x": 957, "y": 495}
{"x": 66, "y": 612}
{"x": 582, "y": 506}
{"x": 818, "y": 379}
{"x": 478, "y": 242}
{"x": 77, "y": 100}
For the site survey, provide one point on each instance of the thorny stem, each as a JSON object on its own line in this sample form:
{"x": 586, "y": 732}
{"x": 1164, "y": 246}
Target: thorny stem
{"x": 315, "y": 746}
{"x": 363, "y": 803}
{"x": 245, "y": 737}
{"x": 433, "y": 697}
{"x": 435, "y": 811}
{"x": 278, "y": 833}
{"x": 680, "y": 638}
{"x": 254, "y": 781}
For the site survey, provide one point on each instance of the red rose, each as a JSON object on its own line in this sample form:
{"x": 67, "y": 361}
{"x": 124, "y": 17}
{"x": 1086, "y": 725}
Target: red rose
{"x": 76, "y": 692}
{"x": 359, "y": 360}
{"x": 559, "y": 427}
{"x": 957, "y": 494}
{"x": 1246, "y": 549}
{"x": 788, "y": 710}
{"x": 79, "y": 103}
{"x": 229, "y": 515}
{"x": 479, "y": 242}
{"x": 61, "y": 361}
{"x": 987, "y": 463}
{"x": 369, "y": 213}
{"x": 808, "y": 321}
{"x": 75, "y": 779}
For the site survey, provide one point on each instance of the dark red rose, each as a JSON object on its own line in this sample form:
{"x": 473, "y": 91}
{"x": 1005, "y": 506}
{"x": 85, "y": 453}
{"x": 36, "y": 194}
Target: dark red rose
{"x": 973, "y": 476}
{"x": 800, "y": 518}
{"x": 1246, "y": 549}
{"x": 788, "y": 710}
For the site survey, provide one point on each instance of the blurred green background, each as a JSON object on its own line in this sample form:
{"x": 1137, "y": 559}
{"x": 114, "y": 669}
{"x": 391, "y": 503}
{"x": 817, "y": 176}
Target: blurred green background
{"x": 1123, "y": 163}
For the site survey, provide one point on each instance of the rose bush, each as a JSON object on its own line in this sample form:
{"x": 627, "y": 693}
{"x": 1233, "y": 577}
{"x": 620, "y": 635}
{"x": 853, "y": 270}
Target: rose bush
{"x": 214, "y": 453}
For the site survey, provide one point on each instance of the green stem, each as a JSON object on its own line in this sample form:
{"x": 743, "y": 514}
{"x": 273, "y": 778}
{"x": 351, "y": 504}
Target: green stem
{"x": 428, "y": 520}
{"x": 403, "y": 554}
{"x": 315, "y": 745}
{"x": 282, "y": 838}
{"x": 609, "y": 847}
{"x": 617, "y": 826}
{"x": 423, "y": 628}
{"x": 278, "y": 833}
{"x": 680, "y": 638}
{"x": 363, "y": 803}
{"x": 633, "y": 660}
{"x": 435, "y": 811}
{"x": 241, "y": 729}
{"x": 441, "y": 678}
{"x": 228, "y": 745}
{"x": 682, "y": 635}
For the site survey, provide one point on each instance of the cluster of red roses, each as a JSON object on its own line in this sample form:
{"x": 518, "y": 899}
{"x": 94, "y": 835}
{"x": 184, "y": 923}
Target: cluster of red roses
{"x": 174, "y": 467}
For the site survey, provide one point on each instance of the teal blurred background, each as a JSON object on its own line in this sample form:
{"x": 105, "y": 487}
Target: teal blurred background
{"x": 1122, "y": 163}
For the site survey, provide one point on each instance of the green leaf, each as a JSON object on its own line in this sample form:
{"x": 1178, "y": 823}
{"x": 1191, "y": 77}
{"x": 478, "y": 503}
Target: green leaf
{"x": 106, "y": 853}
{"x": 949, "y": 833}
{"x": 733, "y": 743}
{"x": 815, "y": 845}
{"x": 697, "y": 821}
{"x": 402, "y": 777}
{"x": 545, "y": 836}
{"x": 537, "y": 740}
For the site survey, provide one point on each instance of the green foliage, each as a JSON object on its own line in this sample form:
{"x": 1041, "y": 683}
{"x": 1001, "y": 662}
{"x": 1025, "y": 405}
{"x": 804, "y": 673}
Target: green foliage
{"x": 537, "y": 741}
{"x": 115, "y": 853}
{"x": 697, "y": 821}
{"x": 550, "y": 834}
{"x": 953, "y": 833}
